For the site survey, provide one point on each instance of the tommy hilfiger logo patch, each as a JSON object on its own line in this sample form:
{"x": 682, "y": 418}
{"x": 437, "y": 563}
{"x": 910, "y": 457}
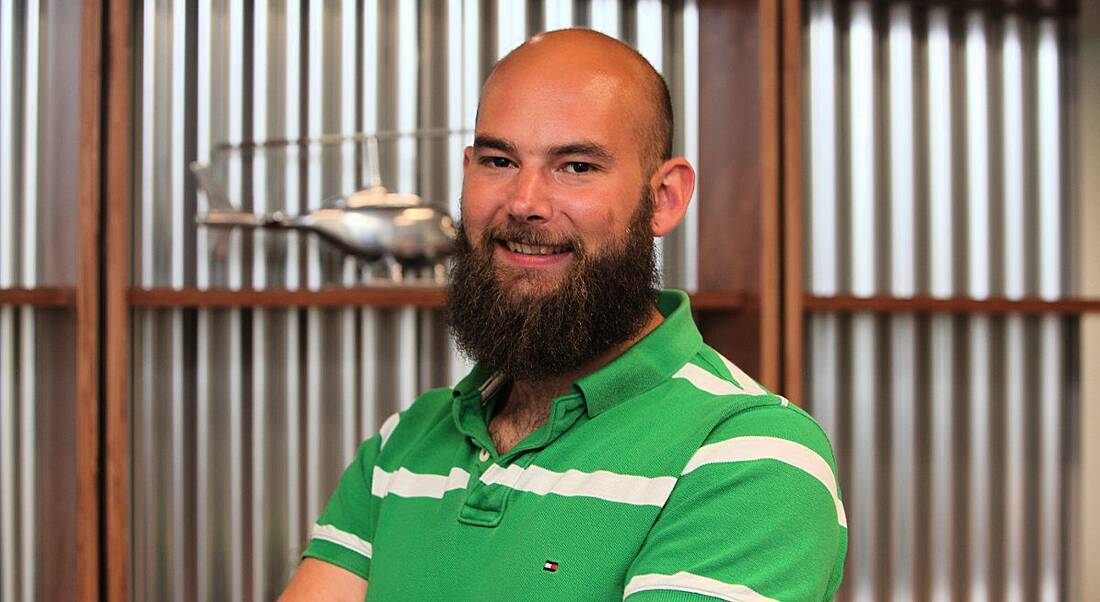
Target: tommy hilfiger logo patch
{"x": 550, "y": 566}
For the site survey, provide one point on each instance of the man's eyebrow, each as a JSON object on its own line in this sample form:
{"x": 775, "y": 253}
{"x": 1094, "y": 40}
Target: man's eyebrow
{"x": 489, "y": 142}
{"x": 585, "y": 149}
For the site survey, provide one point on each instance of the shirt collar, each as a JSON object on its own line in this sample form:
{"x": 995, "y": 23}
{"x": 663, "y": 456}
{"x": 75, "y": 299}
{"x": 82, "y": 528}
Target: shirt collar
{"x": 650, "y": 361}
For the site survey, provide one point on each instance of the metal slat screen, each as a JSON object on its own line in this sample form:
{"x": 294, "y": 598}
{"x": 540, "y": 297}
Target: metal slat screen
{"x": 39, "y": 151}
{"x": 934, "y": 166}
{"x": 244, "y": 418}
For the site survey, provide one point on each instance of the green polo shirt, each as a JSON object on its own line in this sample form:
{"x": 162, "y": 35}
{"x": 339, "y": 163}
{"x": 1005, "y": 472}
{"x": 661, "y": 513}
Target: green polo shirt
{"x": 668, "y": 474}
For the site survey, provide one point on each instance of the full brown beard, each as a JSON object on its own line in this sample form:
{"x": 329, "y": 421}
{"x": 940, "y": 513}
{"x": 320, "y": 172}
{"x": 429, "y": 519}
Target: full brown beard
{"x": 541, "y": 332}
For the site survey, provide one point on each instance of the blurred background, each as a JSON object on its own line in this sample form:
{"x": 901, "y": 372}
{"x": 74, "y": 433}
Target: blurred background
{"x": 895, "y": 227}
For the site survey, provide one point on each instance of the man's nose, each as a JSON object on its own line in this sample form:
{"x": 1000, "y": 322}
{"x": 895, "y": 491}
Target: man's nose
{"x": 530, "y": 201}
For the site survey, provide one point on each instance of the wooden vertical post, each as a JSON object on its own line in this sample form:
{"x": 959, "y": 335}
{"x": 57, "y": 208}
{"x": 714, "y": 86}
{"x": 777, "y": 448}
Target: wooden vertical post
{"x": 792, "y": 200}
{"x": 87, "y": 306}
{"x": 739, "y": 156}
{"x": 117, "y": 171}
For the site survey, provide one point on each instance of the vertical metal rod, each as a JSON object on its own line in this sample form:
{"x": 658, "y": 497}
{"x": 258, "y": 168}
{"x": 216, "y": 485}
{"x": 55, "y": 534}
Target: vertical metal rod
{"x": 148, "y": 141}
{"x": 179, "y": 536}
{"x": 978, "y": 466}
{"x": 8, "y": 57}
{"x": 977, "y": 151}
{"x": 941, "y": 200}
{"x": 350, "y": 276}
{"x": 511, "y": 26}
{"x": 261, "y": 99}
{"x": 650, "y": 43}
{"x": 204, "y": 143}
{"x": 606, "y": 17}
{"x": 368, "y": 374}
{"x": 315, "y": 98}
{"x": 863, "y": 485}
{"x": 825, "y": 371}
{"x": 177, "y": 169}
{"x": 690, "y": 118}
{"x": 260, "y": 454}
{"x": 1012, "y": 127}
{"x": 823, "y": 162}
{"x": 903, "y": 362}
{"x": 1015, "y": 488}
{"x": 28, "y": 481}
{"x": 7, "y": 451}
{"x": 28, "y": 337}
{"x": 1050, "y": 287}
{"x": 978, "y": 277}
{"x": 557, "y": 14}
{"x": 202, "y": 455}
{"x": 861, "y": 114}
{"x": 147, "y": 466}
{"x": 293, "y": 432}
{"x": 1051, "y": 383}
{"x": 236, "y": 457}
{"x": 314, "y": 390}
{"x": 943, "y": 537}
{"x": 293, "y": 205}
{"x": 902, "y": 284}
{"x": 1016, "y": 472}
{"x": 406, "y": 357}
{"x": 1050, "y": 161}
{"x": 407, "y": 106}
{"x": 30, "y": 144}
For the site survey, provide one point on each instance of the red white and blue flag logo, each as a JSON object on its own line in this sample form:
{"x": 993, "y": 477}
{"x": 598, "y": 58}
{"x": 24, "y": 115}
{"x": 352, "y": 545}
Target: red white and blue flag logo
{"x": 550, "y": 566}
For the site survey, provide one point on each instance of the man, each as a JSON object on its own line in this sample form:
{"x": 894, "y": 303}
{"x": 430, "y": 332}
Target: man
{"x": 599, "y": 449}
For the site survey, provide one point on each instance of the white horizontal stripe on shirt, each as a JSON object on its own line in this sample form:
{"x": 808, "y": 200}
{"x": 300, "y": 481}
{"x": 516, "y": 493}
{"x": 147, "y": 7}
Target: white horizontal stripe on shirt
{"x": 749, "y": 386}
{"x": 601, "y": 484}
{"x": 705, "y": 381}
{"x": 343, "y": 539}
{"x": 387, "y": 428}
{"x": 695, "y": 584}
{"x": 750, "y": 448}
{"x": 410, "y": 484}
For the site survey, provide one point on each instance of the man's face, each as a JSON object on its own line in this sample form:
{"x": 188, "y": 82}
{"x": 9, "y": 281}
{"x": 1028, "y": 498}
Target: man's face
{"x": 555, "y": 165}
{"x": 555, "y": 258}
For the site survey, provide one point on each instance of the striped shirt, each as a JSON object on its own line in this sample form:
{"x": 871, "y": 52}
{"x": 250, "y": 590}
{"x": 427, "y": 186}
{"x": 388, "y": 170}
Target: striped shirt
{"x": 668, "y": 474}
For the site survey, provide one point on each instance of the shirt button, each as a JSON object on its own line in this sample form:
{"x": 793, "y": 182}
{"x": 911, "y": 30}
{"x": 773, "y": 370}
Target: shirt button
{"x": 484, "y": 455}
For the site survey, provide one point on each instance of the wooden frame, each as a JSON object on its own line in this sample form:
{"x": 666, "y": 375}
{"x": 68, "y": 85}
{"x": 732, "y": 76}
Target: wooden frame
{"x": 750, "y": 306}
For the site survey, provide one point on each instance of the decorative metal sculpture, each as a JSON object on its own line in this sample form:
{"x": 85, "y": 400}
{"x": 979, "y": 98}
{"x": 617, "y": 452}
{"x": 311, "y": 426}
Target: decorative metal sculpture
{"x": 372, "y": 224}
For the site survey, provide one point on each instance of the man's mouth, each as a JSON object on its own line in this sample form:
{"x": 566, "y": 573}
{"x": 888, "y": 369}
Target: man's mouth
{"x": 531, "y": 249}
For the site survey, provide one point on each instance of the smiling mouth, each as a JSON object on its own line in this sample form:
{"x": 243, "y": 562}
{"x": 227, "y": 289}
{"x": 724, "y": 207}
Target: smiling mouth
{"x": 530, "y": 249}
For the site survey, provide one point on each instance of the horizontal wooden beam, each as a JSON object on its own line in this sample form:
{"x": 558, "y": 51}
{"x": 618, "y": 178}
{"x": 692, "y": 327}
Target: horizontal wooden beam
{"x": 39, "y": 297}
{"x": 373, "y": 296}
{"x": 952, "y": 305}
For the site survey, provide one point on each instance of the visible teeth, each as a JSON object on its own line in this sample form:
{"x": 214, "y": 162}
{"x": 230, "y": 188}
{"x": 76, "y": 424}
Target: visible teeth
{"x": 516, "y": 247}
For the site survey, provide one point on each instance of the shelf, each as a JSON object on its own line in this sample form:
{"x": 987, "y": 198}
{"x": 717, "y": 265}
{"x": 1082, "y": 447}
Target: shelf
{"x": 39, "y": 297}
{"x": 997, "y": 305}
{"x": 429, "y": 297}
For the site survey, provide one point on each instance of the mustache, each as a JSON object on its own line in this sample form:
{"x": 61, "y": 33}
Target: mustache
{"x": 527, "y": 235}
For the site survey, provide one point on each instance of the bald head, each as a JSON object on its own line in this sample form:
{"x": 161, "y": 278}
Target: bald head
{"x": 582, "y": 57}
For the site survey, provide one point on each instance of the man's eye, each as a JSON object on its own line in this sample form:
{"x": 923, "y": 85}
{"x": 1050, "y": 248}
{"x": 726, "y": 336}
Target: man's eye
{"x": 579, "y": 167}
{"x": 500, "y": 162}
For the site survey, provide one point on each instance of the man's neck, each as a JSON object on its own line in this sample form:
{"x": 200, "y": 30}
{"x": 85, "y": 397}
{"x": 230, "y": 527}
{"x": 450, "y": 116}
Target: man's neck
{"x": 528, "y": 404}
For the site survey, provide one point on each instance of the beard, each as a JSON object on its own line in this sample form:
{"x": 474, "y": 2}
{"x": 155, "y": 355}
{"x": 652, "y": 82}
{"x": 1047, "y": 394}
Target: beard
{"x": 515, "y": 321}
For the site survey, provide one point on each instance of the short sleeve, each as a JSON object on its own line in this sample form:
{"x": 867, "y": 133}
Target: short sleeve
{"x": 756, "y": 515}
{"x": 343, "y": 534}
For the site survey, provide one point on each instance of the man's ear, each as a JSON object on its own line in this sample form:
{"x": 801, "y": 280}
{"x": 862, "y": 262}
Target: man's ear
{"x": 467, "y": 153}
{"x": 672, "y": 185}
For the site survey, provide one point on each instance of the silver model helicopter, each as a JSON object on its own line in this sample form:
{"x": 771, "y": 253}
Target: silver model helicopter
{"x": 372, "y": 224}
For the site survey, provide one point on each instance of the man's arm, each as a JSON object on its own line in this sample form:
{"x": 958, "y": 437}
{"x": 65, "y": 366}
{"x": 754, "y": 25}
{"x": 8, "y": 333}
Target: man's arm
{"x": 319, "y": 581}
